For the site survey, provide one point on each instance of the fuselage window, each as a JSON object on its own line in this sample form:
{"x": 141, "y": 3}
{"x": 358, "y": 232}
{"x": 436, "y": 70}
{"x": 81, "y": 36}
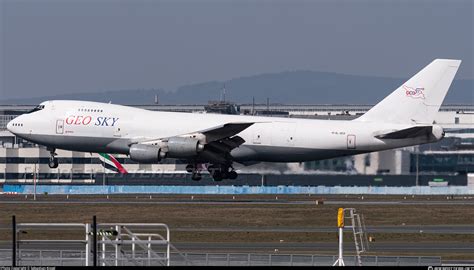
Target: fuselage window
{"x": 37, "y": 108}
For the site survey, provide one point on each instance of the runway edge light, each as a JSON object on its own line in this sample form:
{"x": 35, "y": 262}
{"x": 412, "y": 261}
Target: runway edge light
{"x": 340, "y": 218}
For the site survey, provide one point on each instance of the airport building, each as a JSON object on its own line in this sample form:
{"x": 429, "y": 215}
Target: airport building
{"x": 452, "y": 157}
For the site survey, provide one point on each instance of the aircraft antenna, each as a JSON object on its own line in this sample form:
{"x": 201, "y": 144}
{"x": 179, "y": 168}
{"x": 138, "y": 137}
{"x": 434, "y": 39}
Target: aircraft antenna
{"x": 223, "y": 94}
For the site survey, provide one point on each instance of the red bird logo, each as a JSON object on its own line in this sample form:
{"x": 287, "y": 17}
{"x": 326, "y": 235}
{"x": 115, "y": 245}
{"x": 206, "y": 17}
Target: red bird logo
{"x": 412, "y": 92}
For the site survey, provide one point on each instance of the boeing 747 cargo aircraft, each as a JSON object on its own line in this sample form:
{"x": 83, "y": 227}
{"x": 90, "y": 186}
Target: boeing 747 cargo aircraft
{"x": 404, "y": 118}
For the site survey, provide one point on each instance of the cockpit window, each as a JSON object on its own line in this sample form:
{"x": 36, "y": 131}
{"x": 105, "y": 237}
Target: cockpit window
{"x": 37, "y": 108}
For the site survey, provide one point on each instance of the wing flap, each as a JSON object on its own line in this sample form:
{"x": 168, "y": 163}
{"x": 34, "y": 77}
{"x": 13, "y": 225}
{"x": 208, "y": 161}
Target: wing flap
{"x": 225, "y": 145}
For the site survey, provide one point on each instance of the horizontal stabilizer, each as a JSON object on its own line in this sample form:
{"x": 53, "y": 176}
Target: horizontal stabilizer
{"x": 412, "y": 132}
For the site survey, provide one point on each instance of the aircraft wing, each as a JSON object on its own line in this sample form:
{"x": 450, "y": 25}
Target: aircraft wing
{"x": 220, "y": 140}
{"x": 224, "y": 131}
{"x": 211, "y": 144}
{"x": 209, "y": 135}
{"x": 412, "y": 132}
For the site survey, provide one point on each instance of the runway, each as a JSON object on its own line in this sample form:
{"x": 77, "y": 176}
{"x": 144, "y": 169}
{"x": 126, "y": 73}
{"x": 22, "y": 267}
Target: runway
{"x": 315, "y": 247}
{"x": 425, "y": 247}
{"x": 419, "y": 229}
{"x": 432, "y": 229}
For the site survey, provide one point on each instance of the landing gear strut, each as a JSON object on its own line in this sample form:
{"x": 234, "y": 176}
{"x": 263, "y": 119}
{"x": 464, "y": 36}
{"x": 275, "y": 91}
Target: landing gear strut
{"x": 196, "y": 174}
{"x": 53, "y": 161}
{"x": 221, "y": 172}
{"x": 218, "y": 172}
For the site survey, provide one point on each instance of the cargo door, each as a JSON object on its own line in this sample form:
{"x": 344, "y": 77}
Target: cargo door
{"x": 59, "y": 126}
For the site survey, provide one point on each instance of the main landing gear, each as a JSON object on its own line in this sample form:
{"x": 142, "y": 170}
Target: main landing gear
{"x": 217, "y": 171}
{"x": 196, "y": 173}
{"x": 53, "y": 160}
{"x": 221, "y": 172}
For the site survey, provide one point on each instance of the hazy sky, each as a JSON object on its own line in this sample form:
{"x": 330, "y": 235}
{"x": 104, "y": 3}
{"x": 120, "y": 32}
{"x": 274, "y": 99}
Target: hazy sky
{"x": 52, "y": 47}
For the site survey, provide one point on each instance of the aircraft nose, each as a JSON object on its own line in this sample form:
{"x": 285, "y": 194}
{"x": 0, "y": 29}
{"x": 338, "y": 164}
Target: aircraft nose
{"x": 10, "y": 126}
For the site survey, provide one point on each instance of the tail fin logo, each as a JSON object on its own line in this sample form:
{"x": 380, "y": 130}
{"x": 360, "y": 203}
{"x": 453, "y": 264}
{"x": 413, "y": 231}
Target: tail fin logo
{"x": 111, "y": 163}
{"x": 413, "y": 92}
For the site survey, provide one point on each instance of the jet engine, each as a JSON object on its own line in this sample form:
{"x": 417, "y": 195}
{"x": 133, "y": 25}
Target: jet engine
{"x": 182, "y": 147}
{"x": 174, "y": 147}
{"x": 145, "y": 153}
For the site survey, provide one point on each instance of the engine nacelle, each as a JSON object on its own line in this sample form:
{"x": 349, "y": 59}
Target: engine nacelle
{"x": 182, "y": 147}
{"x": 175, "y": 147}
{"x": 145, "y": 153}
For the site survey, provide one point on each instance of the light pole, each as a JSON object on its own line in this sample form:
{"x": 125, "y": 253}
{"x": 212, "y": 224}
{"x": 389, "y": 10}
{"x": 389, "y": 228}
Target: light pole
{"x": 417, "y": 166}
{"x": 34, "y": 183}
{"x": 340, "y": 225}
{"x": 91, "y": 168}
{"x": 103, "y": 175}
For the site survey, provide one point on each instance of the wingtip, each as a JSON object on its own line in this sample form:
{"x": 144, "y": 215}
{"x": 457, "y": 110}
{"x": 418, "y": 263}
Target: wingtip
{"x": 451, "y": 62}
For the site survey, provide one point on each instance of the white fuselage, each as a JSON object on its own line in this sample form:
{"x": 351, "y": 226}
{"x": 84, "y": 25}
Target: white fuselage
{"x": 99, "y": 127}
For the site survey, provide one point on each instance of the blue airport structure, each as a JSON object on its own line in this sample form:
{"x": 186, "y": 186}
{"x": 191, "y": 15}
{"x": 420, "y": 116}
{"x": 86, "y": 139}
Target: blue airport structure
{"x": 226, "y": 190}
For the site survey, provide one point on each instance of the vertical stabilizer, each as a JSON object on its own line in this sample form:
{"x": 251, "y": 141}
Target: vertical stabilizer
{"x": 418, "y": 100}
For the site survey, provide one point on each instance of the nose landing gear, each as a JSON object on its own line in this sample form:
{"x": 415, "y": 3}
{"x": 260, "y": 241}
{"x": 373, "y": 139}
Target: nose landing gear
{"x": 53, "y": 160}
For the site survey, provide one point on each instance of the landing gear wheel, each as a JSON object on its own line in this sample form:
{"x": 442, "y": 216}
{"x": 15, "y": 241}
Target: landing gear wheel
{"x": 222, "y": 171}
{"x": 225, "y": 175}
{"x": 233, "y": 175}
{"x": 217, "y": 176}
{"x": 53, "y": 163}
{"x": 196, "y": 176}
{"x": 190, "y": 168}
